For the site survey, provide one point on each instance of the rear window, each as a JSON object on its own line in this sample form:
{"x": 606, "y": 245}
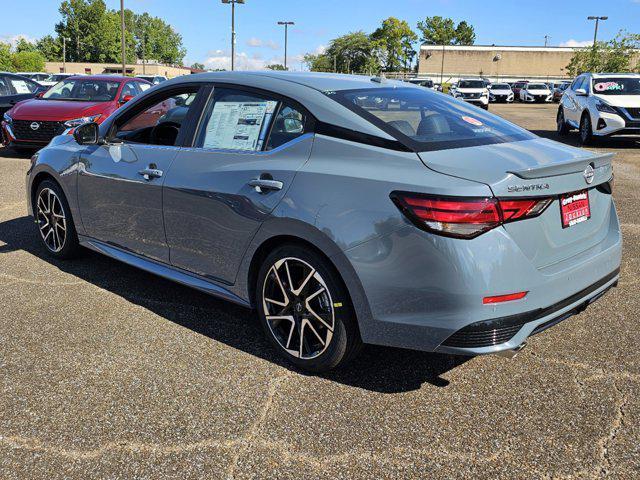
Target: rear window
{"x": 426, "y": 120}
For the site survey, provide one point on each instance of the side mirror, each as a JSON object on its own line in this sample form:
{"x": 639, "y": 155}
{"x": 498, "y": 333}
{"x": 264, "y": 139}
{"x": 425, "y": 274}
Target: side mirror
{"x": 40, "y": 94}
{"x": 87, "y": 134}
{"x": 581, "y": 92}
{"x": 125, "y": 99}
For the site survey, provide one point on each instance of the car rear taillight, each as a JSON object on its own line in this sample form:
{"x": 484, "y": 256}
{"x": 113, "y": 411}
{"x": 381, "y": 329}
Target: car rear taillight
{"x": 462, "y": 217}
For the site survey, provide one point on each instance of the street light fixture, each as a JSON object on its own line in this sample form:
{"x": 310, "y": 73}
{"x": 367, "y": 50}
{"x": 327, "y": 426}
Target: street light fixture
{"x": 233, "y": 29}
{"x": 286, "y": 34}
{"x": 595, "y": 33}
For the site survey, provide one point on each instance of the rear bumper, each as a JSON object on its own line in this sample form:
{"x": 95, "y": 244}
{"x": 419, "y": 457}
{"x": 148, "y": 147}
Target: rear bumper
{"x": 433, "y": 287}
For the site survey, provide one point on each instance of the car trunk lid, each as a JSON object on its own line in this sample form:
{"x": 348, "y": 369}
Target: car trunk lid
{"x": 538, "y": 168}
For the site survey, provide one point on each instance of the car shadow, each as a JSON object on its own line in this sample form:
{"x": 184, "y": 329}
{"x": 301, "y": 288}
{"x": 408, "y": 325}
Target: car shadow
{"x": 573, "y": 140}
{"x": 6, "y": 152}
{"x": 378, "y": 369}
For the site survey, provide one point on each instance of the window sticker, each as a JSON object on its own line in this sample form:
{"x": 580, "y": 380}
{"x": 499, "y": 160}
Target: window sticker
{"x": 20, "y": 86}
{"x": 237, "y": 125}
{"x": 607, "y": 86}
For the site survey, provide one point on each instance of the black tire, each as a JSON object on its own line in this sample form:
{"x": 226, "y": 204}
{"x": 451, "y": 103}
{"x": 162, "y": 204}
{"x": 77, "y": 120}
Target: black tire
{"x": 586, "y": 132}
{"x": 561, "y": 125}
{"x": 485, "y": 107}
{"x": 341, "y": 344}
{"x": 67, "y": 246}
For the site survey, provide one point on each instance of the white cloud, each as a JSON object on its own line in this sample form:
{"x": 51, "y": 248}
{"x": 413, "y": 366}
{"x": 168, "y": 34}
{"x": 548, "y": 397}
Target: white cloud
{"x": 320, "y": 49}
{"x": 257, "y": 42}
{"x": 577, "y": 43}
{"x": 13, "y": 39}
{"x": 218, "y": 59}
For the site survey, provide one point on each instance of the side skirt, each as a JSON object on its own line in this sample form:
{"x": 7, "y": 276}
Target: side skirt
{"x": 162, "y": 270}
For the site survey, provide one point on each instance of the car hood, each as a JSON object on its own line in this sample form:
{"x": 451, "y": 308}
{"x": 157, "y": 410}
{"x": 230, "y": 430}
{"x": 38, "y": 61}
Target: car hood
{"x": 629, "y": 101}
{"x": 539, "y": 92}
{"x": 40, "y": 109}
{"x": 506, "y": 164}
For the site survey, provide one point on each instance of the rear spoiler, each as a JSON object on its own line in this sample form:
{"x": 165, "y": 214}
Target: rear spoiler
{"x": 597, "y": 160}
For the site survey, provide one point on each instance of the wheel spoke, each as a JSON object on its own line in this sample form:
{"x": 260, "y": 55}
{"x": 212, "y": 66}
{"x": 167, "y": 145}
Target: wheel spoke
{"x": 304, "y": 283}
{"x": 307, "y": 323}
{"x": 41, "y": 205}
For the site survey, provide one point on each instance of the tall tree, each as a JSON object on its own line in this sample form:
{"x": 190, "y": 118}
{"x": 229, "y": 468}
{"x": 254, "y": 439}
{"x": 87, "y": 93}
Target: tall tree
{"x": 50, "y": 48}
{"x": 443, "y": 31}
{"x": 394, "y": 37}
{"x": 615, "y": 55}
{"x": 198, "y": 66}
{"x": 25, "y": 45}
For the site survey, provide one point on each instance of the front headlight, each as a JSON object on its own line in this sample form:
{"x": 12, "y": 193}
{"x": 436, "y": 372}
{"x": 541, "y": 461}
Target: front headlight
{"x": 604, "y": 107}
{"x": 76, "y": 122}
{"x": 7, "y": 118}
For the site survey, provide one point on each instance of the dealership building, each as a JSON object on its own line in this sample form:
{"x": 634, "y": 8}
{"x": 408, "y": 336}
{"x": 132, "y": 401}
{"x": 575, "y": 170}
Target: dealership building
{"x": 506, "y": 63}
{"x": 147, "y": 68}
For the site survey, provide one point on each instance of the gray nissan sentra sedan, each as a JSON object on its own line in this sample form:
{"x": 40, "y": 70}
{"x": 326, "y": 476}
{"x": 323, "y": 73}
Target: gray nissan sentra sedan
{"x": 344, "y": 209}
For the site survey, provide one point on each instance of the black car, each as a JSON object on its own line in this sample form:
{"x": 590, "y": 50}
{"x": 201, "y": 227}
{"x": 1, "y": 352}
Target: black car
{"x": 14, "y": 88}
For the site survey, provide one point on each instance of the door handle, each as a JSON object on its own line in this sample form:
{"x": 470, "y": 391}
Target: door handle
{"x": 263, "y": 185}
{"x": 149, "y": 173}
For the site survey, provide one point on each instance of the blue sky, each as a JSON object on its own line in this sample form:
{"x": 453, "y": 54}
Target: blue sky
{"x": 205, "y": 24}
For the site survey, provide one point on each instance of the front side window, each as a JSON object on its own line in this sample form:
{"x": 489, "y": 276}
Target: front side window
{"x": 22, "y": 87}
{"x": 243, "y": 121}
{"x": 160, "y": 123}
{"x": 425, "y": 120}
{"x": 81, "y": 90}
{"x": 129, "y": 89}
{"x": 616, "y": 86}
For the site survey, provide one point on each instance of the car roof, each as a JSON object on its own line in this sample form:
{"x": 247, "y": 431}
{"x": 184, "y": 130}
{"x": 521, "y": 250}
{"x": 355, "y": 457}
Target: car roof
{"x": 306, "y": 88}
{"x": 613, "y": 74}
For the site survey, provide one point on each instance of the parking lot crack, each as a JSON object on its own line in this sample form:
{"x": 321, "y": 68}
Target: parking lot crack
{"x": 616, "y": 425}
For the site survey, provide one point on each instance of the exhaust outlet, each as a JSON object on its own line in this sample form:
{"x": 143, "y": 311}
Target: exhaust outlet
{"x": 513, "y": 352}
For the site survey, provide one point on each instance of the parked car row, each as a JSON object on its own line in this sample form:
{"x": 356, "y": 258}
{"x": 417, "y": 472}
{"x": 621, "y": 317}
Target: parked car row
{"x": 32, "y": 119}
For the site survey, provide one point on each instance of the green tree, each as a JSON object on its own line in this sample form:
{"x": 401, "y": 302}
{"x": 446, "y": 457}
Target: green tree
{"x": 318, "y": 62}
{"x": 198, "y": 66}
{"x": 395, "y": 38}
{"x": 157, "y": 40}
{"x": 275, "y": 66}
{"x": 28, "y": 61}
{"x": 5, "y": 57}
{"x": 50, "y": 48}
{"x": 615, "y": 55}
{"x": 25, "y": 45}
{"x": 443, "y": 31}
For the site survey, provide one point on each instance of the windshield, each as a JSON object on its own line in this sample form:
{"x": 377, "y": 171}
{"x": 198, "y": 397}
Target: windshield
{"x": 500, "y": 86}
{"x": 471, "y": 84}
{"x": 537, "y": 86}
{"x": 57, "y": 78}
{"x": 147, "y": 78}
{"x": 616, "y": 86}
{"x": 81, "y": 90}
{"x": 426, "y": 120}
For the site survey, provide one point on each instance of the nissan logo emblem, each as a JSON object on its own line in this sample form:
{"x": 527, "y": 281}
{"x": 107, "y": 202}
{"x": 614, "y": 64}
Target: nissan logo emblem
{"x": 588, "y": 174}
{"x": 35, "y": 126}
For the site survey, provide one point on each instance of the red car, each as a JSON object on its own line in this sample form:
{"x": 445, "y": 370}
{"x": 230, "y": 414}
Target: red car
{"x": 32, "y": 123}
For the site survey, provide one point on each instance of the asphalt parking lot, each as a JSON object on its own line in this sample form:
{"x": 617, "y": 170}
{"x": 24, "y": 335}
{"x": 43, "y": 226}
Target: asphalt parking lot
{"x": 109, "y": 372}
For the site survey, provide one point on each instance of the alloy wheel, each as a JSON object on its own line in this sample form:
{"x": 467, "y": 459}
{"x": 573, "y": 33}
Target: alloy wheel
{"x": 298, "y": 308}
{"x": 51, "y": 220}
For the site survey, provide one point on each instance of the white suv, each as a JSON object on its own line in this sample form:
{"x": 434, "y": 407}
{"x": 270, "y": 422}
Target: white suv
{"x": 601, "y": 104}
{"x": 472, "y": 91}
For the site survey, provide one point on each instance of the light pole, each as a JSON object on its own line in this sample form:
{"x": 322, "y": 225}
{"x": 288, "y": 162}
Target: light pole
{"x": 64, "y": 54}
{"x": 122, "y": 43}
{"x": 286, "y": 35}
{"x": 595, "y": 33}
{"x": 233, "y": 29}
{"x": 546, "y": 40}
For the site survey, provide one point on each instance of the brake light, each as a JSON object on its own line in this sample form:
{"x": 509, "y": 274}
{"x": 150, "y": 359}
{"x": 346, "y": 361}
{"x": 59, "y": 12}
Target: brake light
{"x": 461, "y": 217}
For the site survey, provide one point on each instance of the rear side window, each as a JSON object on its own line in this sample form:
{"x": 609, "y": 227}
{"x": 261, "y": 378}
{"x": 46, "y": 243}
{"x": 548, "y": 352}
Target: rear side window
{"x": 425, "y": 120}
{"x": 243, "y": 121}
{"x": 22, "y": 87}
{"x": 4, "y": 87}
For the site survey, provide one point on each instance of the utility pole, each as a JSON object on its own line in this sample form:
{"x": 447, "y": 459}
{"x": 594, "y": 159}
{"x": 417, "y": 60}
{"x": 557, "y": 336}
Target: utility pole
{"x": 144, "y": 53}
{"x": 286, "y": 35}
{"x": 124, "y": 61}
{"x": 595, "y": 33}
{"x": 64, "y": 54}
{"x": 233, "y": 29}
{"x": 442, "y": 66}
{"x": 546, "y": 40}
